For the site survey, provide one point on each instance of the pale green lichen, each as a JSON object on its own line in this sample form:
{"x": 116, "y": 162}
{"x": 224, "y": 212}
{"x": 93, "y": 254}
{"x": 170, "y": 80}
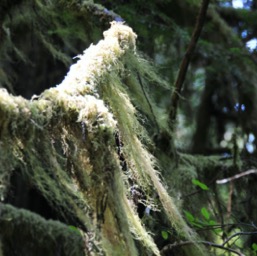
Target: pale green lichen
{"x": 98, "y": 60}
{"x": 53, "y": 137}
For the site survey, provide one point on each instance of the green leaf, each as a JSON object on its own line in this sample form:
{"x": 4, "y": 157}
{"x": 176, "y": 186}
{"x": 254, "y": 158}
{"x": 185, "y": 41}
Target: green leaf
{"x": 200, "y": 184}
{"x": 74, "y": 229}
{"x": 212, "y": 222}
{"x": 205, "y": 213}
{"x": 254, "y": 247}
{"x": 189, "y": 216}
{"x": 165, "y": 235}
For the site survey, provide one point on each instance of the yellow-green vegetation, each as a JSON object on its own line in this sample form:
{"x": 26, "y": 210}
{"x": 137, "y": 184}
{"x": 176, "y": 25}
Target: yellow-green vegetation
{"x": 63, "y": 143}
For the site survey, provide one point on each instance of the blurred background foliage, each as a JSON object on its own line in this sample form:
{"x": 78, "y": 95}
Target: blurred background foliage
{"x": 218, "y": 104}
{"x": 218, "y": 98}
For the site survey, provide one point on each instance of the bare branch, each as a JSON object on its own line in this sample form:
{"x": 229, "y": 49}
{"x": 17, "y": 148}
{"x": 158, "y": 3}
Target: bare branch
{"x": 169, "y": 247}
{"x": 239, "y": 234}
{"x": 237, "y": 176}
{"x": 185, "y": 62}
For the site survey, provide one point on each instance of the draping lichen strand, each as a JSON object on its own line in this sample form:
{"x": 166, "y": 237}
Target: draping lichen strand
{"x": 98, "y": 60}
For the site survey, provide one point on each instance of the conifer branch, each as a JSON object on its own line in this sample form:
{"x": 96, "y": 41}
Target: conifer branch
{"x": 169, "y": 247}
{"x": 186, "y": 60}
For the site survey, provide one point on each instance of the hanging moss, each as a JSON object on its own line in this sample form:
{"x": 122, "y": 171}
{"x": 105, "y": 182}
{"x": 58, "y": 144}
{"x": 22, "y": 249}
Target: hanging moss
{"x": 64, "y": 144}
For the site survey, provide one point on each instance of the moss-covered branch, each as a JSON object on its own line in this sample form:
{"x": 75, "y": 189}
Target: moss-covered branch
{"x": 30, "y": 234}
{"x": 63, "y": 144}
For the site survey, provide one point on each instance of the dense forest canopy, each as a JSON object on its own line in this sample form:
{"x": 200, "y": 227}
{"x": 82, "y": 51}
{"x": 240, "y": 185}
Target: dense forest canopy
{"x": 91, "y": 159}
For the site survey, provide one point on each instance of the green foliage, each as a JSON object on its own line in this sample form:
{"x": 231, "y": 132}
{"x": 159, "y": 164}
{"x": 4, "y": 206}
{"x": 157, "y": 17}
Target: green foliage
{"x": 205, "y": 213}
{"x": 254, "y": 248}
{"x": 235, "y": 50}
{"x": 200, "y": 184}
{"x": 189, "y": 217}
{"x": 74, "y": 229}
{"x": 203, "y": 223}
{"x": 165, "y": 235}
{"x": 46, "y": 237}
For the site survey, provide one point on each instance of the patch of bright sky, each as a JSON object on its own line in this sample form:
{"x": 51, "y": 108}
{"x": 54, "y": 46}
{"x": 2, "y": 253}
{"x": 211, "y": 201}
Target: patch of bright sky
{"x": 252, "y": 44}
{"x": 251, "y": 138}
{"x": 241, "y": 4}
{"x": 244, "y": 34}
{"x": 249, "y": 145}
{"x": 238, "y": 4}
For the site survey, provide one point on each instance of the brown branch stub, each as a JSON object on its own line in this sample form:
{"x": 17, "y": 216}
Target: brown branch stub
{"x": 185, "y": 62}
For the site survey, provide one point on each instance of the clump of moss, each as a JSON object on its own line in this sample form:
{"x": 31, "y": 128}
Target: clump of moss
{"x": 68, "y": 150}
{"x": 31, "y": 234}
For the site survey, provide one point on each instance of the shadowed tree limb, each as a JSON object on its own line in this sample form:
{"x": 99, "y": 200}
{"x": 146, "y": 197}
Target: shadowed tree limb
{"x": 237, "y": 176}
{"x": 60, "y": 238}
{"x": 169, "y": 247}
{"x": 239, "y": 234}
{"x": 186, "y": 60}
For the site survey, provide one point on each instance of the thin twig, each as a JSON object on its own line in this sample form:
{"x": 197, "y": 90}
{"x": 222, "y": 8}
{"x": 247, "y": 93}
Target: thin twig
{"x": 237, "y": 176}
{"x": 219, "y": 206}
{"x": 230, "y": 196}
{"x": 222, "y": 226}
{"x": 148, "y": 102}
{"x": 169, "y": 247}
{"x": 185, "y": 62}
{"x": 239, "y": 234}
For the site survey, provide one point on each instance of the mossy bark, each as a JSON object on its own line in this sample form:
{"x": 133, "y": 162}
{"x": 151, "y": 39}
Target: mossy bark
{"x": 65, "y": 147}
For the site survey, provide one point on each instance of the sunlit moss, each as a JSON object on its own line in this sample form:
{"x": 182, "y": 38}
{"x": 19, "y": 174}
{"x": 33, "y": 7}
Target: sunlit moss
{"x": 68, "y": 150}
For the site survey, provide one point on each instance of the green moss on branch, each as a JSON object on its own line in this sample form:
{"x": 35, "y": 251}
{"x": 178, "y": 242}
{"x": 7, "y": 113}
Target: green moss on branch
{"x": 30, "y": 234}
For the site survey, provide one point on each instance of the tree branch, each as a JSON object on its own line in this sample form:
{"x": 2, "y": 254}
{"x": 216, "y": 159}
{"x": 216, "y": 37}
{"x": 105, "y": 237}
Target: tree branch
{"x": 239, "y": 234}
{"x": 19, "y": 225}
{"x": 237, "y": 176}
{"x": 185, "y": 62}
{"x": 169, "y": 247}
